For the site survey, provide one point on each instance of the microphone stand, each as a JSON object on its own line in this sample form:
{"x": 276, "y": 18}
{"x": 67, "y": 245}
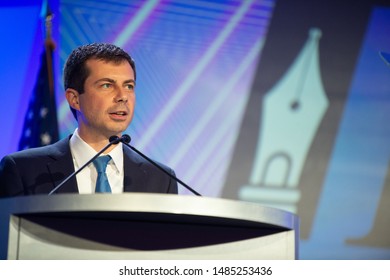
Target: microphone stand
{"x": 125, "y": 139}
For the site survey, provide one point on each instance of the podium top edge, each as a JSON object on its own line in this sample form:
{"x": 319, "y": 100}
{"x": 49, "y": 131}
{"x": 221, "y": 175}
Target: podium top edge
{"x": 149, "y": 203}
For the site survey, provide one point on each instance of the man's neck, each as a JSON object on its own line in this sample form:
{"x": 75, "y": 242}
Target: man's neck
{"x": 95, "y": 142}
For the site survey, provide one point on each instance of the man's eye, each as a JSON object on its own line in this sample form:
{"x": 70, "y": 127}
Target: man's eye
{"x": 130, "y": 86}
{"x": 106, "y": 85}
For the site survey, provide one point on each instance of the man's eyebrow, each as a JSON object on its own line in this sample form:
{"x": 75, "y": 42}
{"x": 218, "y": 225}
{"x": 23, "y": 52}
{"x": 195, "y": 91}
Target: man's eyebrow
{"x": 105, "y": 80}
{"x": 114, "y": 81}
{"x": 130, "y": 81}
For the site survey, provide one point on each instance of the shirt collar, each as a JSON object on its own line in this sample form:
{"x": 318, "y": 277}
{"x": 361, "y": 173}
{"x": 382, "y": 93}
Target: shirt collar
{"x": 82, "y": 152}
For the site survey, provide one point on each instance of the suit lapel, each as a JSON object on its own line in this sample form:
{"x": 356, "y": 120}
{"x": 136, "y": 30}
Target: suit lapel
{"x": 135, "y": 177}
{"x": 62, "y": 166}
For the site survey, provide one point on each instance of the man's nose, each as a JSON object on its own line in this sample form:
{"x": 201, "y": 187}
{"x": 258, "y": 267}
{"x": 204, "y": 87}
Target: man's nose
{"x": 121, "y": 95}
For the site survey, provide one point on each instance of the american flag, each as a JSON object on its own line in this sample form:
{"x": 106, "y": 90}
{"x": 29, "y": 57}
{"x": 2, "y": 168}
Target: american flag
{"x": 40, "y": 124}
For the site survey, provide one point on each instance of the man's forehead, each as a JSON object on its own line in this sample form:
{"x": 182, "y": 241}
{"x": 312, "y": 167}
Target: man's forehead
{"x": 98, "y": 66}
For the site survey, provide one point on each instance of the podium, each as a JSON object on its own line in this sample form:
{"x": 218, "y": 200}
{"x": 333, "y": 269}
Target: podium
{"x": 143, "y": 226}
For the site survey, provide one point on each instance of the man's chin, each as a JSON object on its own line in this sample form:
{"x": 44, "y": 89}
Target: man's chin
{"x": 117, "y": 132}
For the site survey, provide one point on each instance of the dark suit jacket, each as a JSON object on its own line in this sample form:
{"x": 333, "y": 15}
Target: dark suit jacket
{"x": 39, "y": 170}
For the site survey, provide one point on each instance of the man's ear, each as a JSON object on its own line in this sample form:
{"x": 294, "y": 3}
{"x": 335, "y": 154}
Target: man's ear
{"x": 72, "y": 96}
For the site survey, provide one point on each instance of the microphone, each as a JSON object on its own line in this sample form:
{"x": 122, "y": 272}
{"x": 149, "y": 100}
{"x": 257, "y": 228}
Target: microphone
{"x": 113, "y": 140}
{"x": 125, "y": 139}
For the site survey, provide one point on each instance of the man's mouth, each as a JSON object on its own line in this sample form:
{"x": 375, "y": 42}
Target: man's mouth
{"x": 119, "y": 113}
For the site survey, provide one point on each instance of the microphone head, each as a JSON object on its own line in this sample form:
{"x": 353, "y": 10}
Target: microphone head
{"x": 114, "y": 139}
{"x": 126, "y": 138}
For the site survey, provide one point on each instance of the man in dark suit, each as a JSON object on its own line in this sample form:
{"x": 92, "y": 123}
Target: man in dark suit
{"x": 99, "y": 81}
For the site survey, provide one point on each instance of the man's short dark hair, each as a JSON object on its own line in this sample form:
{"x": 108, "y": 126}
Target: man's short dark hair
{"x": 76, "y": 71}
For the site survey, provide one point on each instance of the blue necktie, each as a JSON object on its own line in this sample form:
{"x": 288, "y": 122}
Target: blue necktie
{"x": 102, "y": 184}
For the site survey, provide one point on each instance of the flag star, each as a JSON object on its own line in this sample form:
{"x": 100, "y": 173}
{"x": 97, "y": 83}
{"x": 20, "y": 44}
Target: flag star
{"x": 30, "y": 115}
{"x": 27, "y": 133}
{"x": 45, "y": 138}
{"x": 44, "y": 112}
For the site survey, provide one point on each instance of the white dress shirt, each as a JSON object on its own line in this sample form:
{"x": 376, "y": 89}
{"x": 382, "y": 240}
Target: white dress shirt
{"x": 86, "y": 179}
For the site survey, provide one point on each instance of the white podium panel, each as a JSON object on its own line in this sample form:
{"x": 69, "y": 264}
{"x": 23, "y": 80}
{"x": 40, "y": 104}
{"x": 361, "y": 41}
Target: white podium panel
{"x": 143, "y": 226}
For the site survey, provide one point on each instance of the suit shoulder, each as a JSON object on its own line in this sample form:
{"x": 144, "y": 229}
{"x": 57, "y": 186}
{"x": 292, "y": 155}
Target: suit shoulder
{"x": 59, "y": 147}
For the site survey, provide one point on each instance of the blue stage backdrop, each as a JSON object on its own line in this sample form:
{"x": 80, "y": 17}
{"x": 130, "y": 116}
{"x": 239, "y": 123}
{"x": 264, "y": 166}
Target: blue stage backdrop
{"x": 277, "y": 102}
